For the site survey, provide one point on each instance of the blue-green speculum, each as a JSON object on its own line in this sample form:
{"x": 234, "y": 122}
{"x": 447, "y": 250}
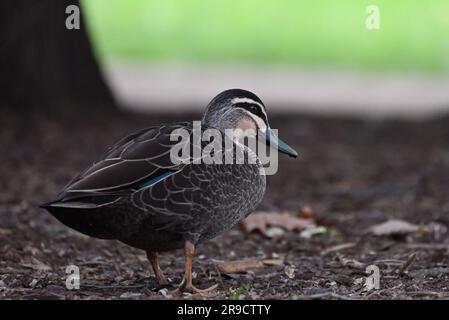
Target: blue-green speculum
{"x": 278, "y": 144}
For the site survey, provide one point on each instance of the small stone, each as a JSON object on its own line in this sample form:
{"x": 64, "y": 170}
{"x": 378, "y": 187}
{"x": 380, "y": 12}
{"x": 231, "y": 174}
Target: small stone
{"x": 33, "y": 283}
{"x": 309, "y": 233}
{"x": 290, "y": 271}
{"x": 130, "y": 295}
{"x": 305, "y": 212}
{"x": 274, "y": 232}
{"x": 164, "y": 292}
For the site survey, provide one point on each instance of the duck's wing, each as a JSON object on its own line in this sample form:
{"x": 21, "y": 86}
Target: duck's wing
{"x": 181, "y": 202}
{"x": 140, "y": 159}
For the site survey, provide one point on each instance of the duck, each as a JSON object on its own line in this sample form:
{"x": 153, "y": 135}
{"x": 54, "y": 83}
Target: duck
{"x": 137, "y": 192}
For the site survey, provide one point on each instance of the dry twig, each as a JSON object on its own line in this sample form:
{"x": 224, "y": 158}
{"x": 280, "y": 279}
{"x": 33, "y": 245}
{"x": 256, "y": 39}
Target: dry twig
{"x": 338, "y": 247}
{"x": 407, "y": 264}
{"x": 350, "y": 263}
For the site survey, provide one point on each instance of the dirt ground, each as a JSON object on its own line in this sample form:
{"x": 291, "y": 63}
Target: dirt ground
{"x": 353, "y": 174}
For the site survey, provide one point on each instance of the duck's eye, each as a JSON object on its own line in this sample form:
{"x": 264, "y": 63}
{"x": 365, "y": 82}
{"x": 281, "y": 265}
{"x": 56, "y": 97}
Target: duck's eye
{"x": 254, "y": 109}
{"x": 249, "y": 107}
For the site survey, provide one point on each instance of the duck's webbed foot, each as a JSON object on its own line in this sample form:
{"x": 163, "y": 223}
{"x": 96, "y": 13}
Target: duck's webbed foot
{"x": 186, "y": 283}
{"x": 186, "y": 287}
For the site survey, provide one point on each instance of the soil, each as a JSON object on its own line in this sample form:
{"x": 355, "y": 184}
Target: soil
{"x": 353, "y": 174}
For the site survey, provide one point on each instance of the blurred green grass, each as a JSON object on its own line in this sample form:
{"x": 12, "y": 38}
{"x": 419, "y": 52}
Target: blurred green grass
{"x": 414, "y": 34}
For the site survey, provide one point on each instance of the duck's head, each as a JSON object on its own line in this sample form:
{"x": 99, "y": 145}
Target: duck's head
{"x": 241, "y": 109}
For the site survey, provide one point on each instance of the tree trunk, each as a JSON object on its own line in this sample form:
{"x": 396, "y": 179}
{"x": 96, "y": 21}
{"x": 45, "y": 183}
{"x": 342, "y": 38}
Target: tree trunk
{"x": 42, "y": 63}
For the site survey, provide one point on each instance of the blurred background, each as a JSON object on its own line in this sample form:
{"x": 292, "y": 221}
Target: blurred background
{"x": 314, "y": 56}
{"x": 367, "y": 110}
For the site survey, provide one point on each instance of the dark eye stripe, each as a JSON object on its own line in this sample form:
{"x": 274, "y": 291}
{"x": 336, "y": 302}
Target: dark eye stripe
{"x": 253, "y": 108}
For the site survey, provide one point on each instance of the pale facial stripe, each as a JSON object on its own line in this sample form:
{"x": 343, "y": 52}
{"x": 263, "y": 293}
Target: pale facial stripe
{"x": 248, "y": 100}
{"x": 258, "y": 120}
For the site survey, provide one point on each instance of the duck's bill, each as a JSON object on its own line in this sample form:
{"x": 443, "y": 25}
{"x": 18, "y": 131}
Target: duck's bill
{"x": 279, "y": 145}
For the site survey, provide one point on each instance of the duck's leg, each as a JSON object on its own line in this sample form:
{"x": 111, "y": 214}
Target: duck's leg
{"x": 161, "y": 279}
{"x": 186, "y": 283}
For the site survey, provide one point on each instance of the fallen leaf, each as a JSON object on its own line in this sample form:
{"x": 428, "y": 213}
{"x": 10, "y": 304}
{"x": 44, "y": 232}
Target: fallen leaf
{"x": 260, "y": 221}
{"x": 240, "y": 266}
{"x": 392, "y": 227}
